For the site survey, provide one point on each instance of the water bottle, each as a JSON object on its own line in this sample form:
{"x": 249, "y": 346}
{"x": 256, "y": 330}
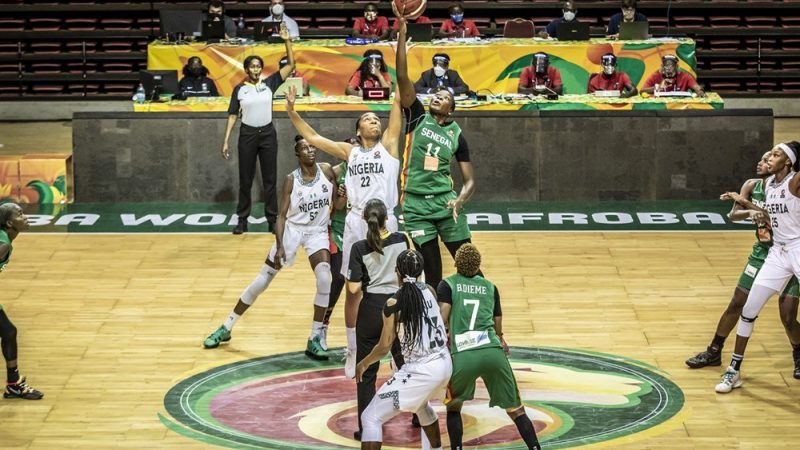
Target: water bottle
{"x": 241, "y": 24}
{"x": 139, "y": 97}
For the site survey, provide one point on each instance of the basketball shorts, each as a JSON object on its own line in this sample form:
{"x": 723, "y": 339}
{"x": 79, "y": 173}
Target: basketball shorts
{"x": 427, "y": 216}
{"x": 414, "y": 384}
{"x": 491, "y": 365}
{"x": 355, "y": 229}
{"x": 312, "y": 240}
{"x": 752, "y": 269}
{"x": 780, "y": 268}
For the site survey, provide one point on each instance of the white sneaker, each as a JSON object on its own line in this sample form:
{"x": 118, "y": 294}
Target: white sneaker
{"x": 730, "y": 381}
{"x": 323, "y": 337}
{"x": 350, "y": 364}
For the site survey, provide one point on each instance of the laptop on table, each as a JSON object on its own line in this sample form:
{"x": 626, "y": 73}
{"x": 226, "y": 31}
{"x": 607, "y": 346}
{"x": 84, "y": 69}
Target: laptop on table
{"x": 213, "y": 31}
{"x": 573, "y": 31}
{"x": 420, "y": 32}
{"x": 264, "y": 32}
{"x": 633, "y": 31}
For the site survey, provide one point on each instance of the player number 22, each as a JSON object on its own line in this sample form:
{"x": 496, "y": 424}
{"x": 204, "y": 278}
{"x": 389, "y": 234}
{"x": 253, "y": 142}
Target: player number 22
{"x": 365, "y": 181}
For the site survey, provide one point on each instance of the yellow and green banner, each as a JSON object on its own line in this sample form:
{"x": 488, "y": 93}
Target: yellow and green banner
{"x": 488, "y": 66}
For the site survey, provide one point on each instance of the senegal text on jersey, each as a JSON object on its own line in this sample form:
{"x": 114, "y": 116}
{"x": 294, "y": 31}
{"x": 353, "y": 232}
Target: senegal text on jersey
{"x": 436, "y": 137}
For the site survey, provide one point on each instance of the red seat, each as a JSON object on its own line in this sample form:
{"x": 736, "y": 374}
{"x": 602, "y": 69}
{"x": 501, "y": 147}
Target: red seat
{"x": 116, "y": 24}
{"x": 722, "y": 65}
{"x": 117, "y": 67}
{"x": 78, "y": 47}
{"x": 766, "y": 44}
{"x": 790, "y": 22}
{"x": 80, "y": 24}
{"x": 518, "y": 28}
{"x": 689, "y": 21}
{"x": 117, "y": 46}
{"x": 45, "y": 47}
{"x": 47, "y": 89}
{"x": 45, "y": 68}
{"x": 332, "y": 23}
{"x": 761, "y": 21}
{"x": 725, "y": 21}
{"x": 9, "y": 48}
{"x": 790, "y": 64}
{"x": 766, "y": 86}
{"x": 44, "y": 24}
{"x": 790, "y": 86}
{"x": 119, "y": 88}
{"x": 725, "y": 44}
{"x": 790, "y": 44}
{"x": 9, "y": 68}
{"x": 725, "y": 86}
{"x": 12, "y": 24}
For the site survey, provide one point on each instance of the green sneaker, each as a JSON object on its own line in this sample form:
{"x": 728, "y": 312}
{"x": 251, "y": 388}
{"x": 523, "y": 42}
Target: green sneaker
{"x": 315, "y": 351}
{"x": 221, "y": 335}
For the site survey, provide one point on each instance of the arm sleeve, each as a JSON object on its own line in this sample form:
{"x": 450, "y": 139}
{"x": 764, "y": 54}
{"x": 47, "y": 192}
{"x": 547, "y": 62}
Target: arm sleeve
{"x": 444, "y": 293}
{"x": 462, "y": 154}
{"x": 414, "y": 115}
{"x": 355, "y": 272}
{"x": 497, "y": 310}
{"x": 233, "y": 106}
{"x": 274, "y": 81}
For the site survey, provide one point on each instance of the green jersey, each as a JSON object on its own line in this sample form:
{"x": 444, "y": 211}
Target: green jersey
{"x": 473, "y": 308}
{"x": 759, "y": 198}
{"x": 337, "y": 220}
{"x": 429, "y": 149}
{"x": 6, "y": 240}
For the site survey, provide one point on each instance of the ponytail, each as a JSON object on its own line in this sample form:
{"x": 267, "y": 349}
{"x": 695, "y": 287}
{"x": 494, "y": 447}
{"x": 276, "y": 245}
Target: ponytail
{"x": 375, "y": 215}
{"x": 411, "y": 310}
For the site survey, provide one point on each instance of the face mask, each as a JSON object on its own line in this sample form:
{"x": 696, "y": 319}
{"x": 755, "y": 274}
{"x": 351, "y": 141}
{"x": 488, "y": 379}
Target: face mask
{"x": 277, "y": 9}
{"x": 370, "y": 16}
{"x": 196, "y": 71}
{"x": 439, "y": 71}
{"x": 609, "y": 70}
{"x": 569, "y": 16}
{"x": 213, "y": 17}
{"x": 457, "y": 18}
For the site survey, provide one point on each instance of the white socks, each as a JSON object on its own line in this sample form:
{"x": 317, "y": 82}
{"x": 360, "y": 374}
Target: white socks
{"x": 231, "y": 321}
{"x": 316, "y": 329}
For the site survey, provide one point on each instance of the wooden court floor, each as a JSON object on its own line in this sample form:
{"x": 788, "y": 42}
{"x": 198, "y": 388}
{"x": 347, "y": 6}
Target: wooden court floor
{"x": 108, "y": 323}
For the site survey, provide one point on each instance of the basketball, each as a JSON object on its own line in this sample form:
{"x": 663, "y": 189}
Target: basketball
{"x": 410, "y": 9}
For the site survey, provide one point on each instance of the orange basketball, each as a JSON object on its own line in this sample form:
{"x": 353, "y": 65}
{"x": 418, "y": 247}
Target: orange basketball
{"x": 410, "y": 9}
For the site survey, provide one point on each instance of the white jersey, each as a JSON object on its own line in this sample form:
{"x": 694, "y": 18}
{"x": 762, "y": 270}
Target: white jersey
{"x": 310, "y": 202}
{"x": 434, "y": 336}
{"x": 784, "y": 210}
{"x": 371, "y": 173}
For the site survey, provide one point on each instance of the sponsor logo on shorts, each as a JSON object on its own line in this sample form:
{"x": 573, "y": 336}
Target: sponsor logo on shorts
{"x": 289, "y": 402}
{"x": 417, "y": 233}
{"x": 750, "y": 271}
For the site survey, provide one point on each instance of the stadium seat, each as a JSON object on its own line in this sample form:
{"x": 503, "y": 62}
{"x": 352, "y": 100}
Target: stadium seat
{"x": 12, "y": 24}
{"x": 761, "y": 21}
{"x": 518, "y": 28}
{"x": 725, "y": 21}
{"x": 44, "y": 24}
{"x": 80, "y": 24}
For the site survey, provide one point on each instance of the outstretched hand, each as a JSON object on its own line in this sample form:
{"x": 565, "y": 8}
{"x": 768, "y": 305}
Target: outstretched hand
{"x": 284, "y": 32}
{"x": 291, "y": 96}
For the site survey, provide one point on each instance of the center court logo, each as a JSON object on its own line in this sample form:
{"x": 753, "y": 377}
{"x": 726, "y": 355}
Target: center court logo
{"x": 288, "y": 402}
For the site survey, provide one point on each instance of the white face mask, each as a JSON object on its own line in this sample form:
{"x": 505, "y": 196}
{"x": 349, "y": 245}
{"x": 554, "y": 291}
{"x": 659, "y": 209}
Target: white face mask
{"x": 277, "y": 9}
{"x": 439, "y": 71}
{"x": 569, "y": 16}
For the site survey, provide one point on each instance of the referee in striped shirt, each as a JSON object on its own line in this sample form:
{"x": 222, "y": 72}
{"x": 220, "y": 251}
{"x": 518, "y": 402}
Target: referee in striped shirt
{"x": 252, "y": 99}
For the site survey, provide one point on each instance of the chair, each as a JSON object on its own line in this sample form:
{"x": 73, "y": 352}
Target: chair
{"x": 518, "y": 28}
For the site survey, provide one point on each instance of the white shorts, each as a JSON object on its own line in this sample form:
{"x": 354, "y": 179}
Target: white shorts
{"x": 781, "y": 264}
{"x": 312, "y": 240}
{"x": 355, "y": 229}
{"x": 412, "y": 386}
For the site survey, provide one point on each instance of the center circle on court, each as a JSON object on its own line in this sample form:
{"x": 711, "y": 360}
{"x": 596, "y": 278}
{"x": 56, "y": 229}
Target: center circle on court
{"x": 288, "y": 401}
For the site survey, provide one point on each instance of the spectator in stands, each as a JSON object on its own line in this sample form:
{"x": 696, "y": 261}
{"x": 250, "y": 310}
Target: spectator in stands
{"x": 371, "y": 26}
{"x": 569, "y": 11}
{"x": 539, "y": 78}
{"x": 294, "y": 74}
{"x": 216, "y": 12}
{"x": 372, "y": 73}
{"x": 457, "y": 26}
{"x": 277, "y": 17}
{"x": 628, "y": 15}
{"x": 670, "y": 79}
{"x": 195, "y": 81}
{"x": 440, "y": 77}
{"x": 396, "y": 25}
{"x": 610, "y": 79}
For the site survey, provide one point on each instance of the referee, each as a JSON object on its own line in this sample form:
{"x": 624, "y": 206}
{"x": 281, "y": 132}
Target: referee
{"x": 257, "y": 138}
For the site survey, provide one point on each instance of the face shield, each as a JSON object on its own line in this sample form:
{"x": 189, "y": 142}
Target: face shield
{"x": 541, "y": 62}
{"x": 609, "y": 64}
{"x": 440, "y": 64}
{"x": 669, "y": 66}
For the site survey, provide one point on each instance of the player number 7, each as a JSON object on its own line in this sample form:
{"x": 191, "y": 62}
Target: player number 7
{"x": 475, "y": 304}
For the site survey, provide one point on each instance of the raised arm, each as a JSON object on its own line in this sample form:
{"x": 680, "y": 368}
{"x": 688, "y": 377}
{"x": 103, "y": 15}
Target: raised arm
{"x": 405, "y": 88}
{"x": 287, "y": 40}
{"x": 339, "y": 150}
{"x": 391, "y": 136}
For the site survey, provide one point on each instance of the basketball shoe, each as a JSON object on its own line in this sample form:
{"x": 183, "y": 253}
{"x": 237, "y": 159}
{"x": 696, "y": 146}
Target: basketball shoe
{"x": 214, "y": 339}
{"x": 20, "y": 389}
{"x": 730, "y": 381}
{"x": 796, "y": 357}
{"x": 706, "y": 358}
{"x": 315, "y": 351}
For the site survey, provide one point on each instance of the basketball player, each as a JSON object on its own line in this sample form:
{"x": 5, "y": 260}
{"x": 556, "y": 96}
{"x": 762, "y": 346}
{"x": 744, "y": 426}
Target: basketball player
{"x": 372, "y": 170}
{"x": 412, "y": 316}
{"x": 372, "y": 272}
{"x": 12, "y": 222}
{"x": 783, "y": 206}
{"x": 749, "y": 204}
{"x": 431, "y": 208}
{"x": 302, "y": 221}
{"x": 470, "y": 305}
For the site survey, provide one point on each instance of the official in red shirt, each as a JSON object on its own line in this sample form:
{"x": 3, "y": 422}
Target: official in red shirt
{"x": 457, "y": 26}
{"x": 372, "y": 73}
{"x": 371, "y": 26}
{"x": 539, "y": 78}
{"x": 611, "y": 80}
{"x": 670, "y": 79}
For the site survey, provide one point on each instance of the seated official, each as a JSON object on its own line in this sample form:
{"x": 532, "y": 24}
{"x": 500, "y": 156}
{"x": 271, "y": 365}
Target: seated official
{"x": 440, "y": 77}
{"x": 277, "y": 16}
{"x": 216, "y": 13}
{"x": 284, "y": 61}
{"x": 372, "y": 73}
{"x": 628, "y": 15}
{"x": 195, "y": 81}
{"x": 670, "y": 79}
{"x": 539, "y": 78}
{"x": 371, "y": 26}
{"x": 396, "y": 24}
{"x": 457, "y": 26}
{"x": 610, "y": 79}
{"x": 569, "y": 11}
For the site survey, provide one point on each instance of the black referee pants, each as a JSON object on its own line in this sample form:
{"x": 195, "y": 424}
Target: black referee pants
{"x": 258, "y": 143}
{"x": 369, "y": 326}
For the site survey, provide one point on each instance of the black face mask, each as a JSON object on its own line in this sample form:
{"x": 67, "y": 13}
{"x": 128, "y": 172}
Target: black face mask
{"x": 214, "y": 17}
{"x": 196, "y": 71}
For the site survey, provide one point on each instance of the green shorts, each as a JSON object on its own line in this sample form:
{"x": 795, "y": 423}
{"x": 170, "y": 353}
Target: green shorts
{"x": 489, "y": 364}
{"x": 427, "y": 216}
{"x": 750, "y": 271}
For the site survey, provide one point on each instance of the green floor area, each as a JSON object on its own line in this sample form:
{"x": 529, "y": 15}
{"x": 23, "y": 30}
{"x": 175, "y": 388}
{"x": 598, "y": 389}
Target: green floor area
{"x": 528, "y": 216}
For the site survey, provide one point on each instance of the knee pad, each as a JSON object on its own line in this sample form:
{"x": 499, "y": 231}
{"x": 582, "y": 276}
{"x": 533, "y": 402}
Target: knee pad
{"x": 322, "y": 272}
{"x": 427, "y": 415}
{"x": 746, "y": 324}
{"x": 258, "y": 286}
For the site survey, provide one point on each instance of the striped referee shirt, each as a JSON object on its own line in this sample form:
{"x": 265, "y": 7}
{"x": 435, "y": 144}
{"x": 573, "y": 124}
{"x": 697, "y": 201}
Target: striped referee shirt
{"x": 255, "y": 100}
{"x": 376, "y": 272}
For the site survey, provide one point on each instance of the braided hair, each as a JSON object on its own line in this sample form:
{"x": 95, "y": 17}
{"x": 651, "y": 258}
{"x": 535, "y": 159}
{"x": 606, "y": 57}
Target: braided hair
{"x": 375, "y": 215}
{"x": 411, "y": 310}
